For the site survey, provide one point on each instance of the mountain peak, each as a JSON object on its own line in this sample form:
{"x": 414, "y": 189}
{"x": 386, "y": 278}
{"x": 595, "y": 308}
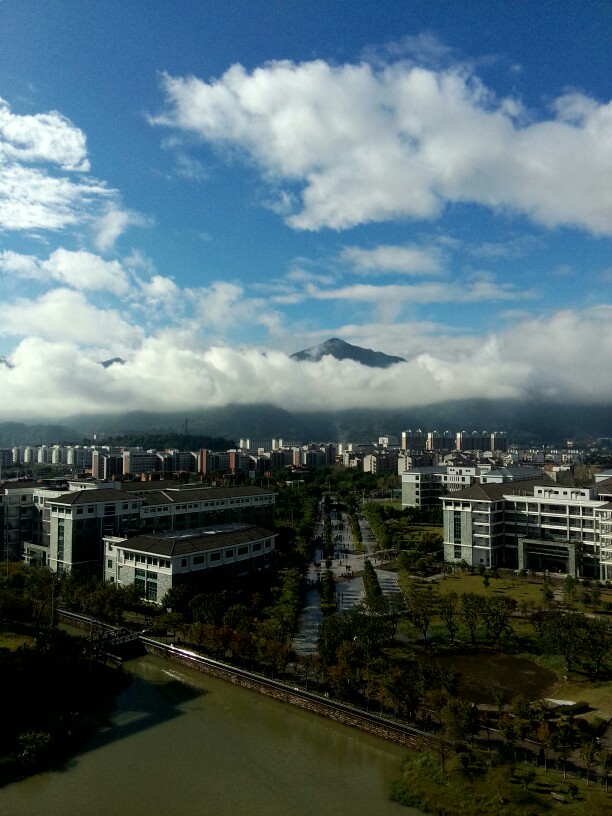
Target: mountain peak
{"x": 341, "y": 350}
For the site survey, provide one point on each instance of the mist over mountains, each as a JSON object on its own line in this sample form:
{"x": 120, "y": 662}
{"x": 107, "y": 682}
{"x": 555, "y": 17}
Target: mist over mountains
{"x": 525, "y": 423}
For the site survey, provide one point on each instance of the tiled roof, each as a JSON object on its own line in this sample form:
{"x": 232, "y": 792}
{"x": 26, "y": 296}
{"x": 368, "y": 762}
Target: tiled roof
{"x": 89, "y": 497}
{"x": 195, "y": 541}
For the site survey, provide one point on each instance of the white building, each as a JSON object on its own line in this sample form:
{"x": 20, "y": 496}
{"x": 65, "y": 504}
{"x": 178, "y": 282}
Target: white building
{"x": 532, "y": 525}
{"x": 155, "y": 563}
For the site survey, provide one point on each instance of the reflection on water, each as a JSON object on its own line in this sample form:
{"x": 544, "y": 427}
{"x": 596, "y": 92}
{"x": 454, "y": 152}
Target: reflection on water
{"x": 183, "y": 743}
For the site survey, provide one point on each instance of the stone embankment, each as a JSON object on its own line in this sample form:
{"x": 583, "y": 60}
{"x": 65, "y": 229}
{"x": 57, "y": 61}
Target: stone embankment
{"x": 364, "y": 721}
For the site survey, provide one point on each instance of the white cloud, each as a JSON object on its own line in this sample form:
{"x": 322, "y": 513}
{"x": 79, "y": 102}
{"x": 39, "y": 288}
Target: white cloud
{"x": 109, "y": 226}
{"x": 559, "y": 356}
{"x": 64, "y": 315}
{"x": 370, "y": 144}
{"x": 43, "y": 186}
{"x": 480, "y": 289}
{"x": 44, "y": 137}
{"x": 79, "y": 270}
{"x": 31, "y": 198}
{"x": 406, "y": 260}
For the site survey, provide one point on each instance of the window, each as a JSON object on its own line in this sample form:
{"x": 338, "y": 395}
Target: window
{"x": 198, "y": 559}
{"x": 257, "y": 547}
{"x": 139, "y": 581}
{"x": 216, "y": 556}
{"x": 79, "y": 511}
{"x": 183, "y": 562}
{"x": 457, "y": 527}
{"x": 243, "y": 550}
{"x": 151, "y": 586}
{"x": 457, "y": 552}
{"x": 109, "y": 563}
{"x": 229, "y": 553}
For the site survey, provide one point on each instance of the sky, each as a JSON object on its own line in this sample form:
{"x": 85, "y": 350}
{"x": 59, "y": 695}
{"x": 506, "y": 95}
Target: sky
{"x": 201, "y": 189}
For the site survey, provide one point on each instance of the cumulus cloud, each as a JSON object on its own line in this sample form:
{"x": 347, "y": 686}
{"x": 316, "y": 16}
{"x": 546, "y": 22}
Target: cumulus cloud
{"x": 44, "y": 137}
{"x": 66, "y": 315}
{"x": 78, "y": 270}
{"x": 364, "y": 143}
{"x": 43, "y": 181}
{"x": 31, "y": 198}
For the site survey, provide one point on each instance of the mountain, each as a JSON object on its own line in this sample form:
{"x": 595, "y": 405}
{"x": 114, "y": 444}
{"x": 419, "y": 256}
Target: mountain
{"x": 112, "y": 361}
{"x": 342, "y": 350}
{"x": 527, "y": 423}
{"x": 22, "y": 433}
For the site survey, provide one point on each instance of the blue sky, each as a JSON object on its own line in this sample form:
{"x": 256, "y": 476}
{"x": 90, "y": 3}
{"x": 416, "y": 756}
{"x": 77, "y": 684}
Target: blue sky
{"x": 203, "y": 188}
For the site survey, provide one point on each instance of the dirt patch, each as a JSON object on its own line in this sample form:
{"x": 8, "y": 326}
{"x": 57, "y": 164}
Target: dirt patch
{"x": 480, "y": 675}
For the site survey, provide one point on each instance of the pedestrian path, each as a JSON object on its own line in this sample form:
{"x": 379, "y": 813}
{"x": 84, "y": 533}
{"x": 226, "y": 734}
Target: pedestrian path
{"x": 387, "y": 581}
{"x": 305, "y": 641}
{"x": 349, "y": 590}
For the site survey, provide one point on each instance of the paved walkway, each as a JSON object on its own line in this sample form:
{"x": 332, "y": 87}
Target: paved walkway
{"x": 349, "y": 591}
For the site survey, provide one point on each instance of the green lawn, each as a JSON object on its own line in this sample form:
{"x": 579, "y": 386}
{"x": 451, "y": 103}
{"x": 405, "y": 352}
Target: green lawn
{"x": 480, "y": 789}
{"x": 12, "y": 640}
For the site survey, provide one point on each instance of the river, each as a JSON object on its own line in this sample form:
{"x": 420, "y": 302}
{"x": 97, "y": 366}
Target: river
{"x": 180, "y": 742}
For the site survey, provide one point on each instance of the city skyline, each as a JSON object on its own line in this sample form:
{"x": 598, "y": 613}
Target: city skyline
{"x": 202, "y": 195}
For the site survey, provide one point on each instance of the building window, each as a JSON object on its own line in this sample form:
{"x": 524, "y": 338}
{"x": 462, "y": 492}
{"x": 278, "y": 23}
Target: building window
{"x": 457, "y": 527}
{"x": 109, "y": 563}
{"x": 183, "y": 562}
{"x": 216, "y": 556}
{"x": 198, "y": 559}
{"x": 151, "y": 592}
{"x": 229, "y": 553}
{"x": 457, "y": 552}
{"x": 139, "y": 581}
{"x": 243, "y": 550}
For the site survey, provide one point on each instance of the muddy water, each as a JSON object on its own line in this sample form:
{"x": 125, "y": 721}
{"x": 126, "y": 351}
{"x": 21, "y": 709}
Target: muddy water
{"x": 179, "y": 742}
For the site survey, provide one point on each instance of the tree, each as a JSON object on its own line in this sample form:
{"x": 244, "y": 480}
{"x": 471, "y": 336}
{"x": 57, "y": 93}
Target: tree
{"x": 597, "y": 642}
{"x": 564, "y": 742}
{"x": 421, "y": 607}
{"x": 588, "y": 754}
{"x": 435, "y": 701}
{"x": 564, "y": 636}
{"x": 604, "y": 757}
{"x": 496, "y": 613}
{"x": 472, "y": 606}
{"x": 545, "y": 735}
{"x": 170, "y": 622}
{"x": 448, "y": 611}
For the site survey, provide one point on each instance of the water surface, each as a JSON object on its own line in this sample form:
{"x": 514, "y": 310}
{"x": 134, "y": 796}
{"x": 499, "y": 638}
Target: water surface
{"x": 180, "y": 742}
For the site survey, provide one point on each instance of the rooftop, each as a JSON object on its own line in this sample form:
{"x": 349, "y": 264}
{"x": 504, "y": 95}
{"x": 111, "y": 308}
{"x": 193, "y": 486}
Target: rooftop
{"x": 187, "y": 542}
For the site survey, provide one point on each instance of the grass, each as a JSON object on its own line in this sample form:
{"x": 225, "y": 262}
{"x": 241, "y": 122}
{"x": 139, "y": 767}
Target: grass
{"x": 523, "y": 590}
{"x": 13, "y": 640}
{"x": 472, "y": 786}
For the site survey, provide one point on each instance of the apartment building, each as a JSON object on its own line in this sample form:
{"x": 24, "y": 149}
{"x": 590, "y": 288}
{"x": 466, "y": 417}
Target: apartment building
{"x": 425, "y": 486}
{"x": 538, "y": 525}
